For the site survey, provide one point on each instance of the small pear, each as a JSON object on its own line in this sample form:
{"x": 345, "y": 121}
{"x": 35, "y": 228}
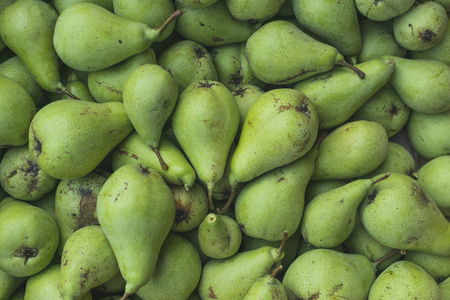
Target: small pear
{"x": 219, "y": 236}
{"x": 246, "y": 10}
{"x": 329, "y": 218}
{"x": 85, "y": 134}
{"x": 87, "y": 262}
{"x": 150, "y": 94}
{"x": 404, "y": 280}
{"x": 267, "y": 287}
{"x": 136, "y": 210}
{"x": 86, "y": 28}
{"x": 205, "y": 122}
{"x": 191, "y": 207}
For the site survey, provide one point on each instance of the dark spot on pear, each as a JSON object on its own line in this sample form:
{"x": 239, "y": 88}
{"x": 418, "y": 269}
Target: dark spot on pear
{"x": 199, "y": 52}
{"x": 427, "y": 36}
{"x": 228, "y": 240}
{"x": 26, "y": 252}
{"x": 84, "y": 277}
{"x": 217, "y": 39}
{"x": 33, "y": 168}
{"x": 134, "y": 156}
{"x": 122, "y": 151}
{"x": 372, "y": 196}
{"x": 418, "y": 193}
{"x": 303, "y": 108}
{"x": 201, "y": 24}
{"x": 394, "y": 110}
{"x": 236, "y": 79}
{"x": 211, "y": 294}
{"x": 412, "y": 240}
{"x": 145, "y": 171}
{"x": 280, "y": 179}
{"x": 336, "y": 288}
{"x": 37, "y": 147}
{"x": 88, "y": 207}
{"x": 239, "y": 92}
{"x": 120, "y": 41}
{"x": 314, "y": 296}
{"x": 375, "y": 2}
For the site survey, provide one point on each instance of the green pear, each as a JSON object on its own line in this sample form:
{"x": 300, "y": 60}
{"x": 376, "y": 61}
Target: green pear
{"x": 197, "y": 3}
{"x": 383, "y": 10}
{"x": 106, "y": 85}
{"x": 17, "y": 109}
{"x": 377, "y": 39}
{"x": 272, "y": 203}
{"x": 177, "y": 271}
{"x": 78, "y": 88}
{"x": 247, "y": 10}
{"x": 398, "y": 160}
{"x": 15, "y": 69}
{"x": 205, "y": 122}
{"x": 267, "y": 288}
{"x": 232, "y": 66}
{"x": 191, "y": 207}
{"x": 384, "y": 107}
{"x": 61, "y": 5}
{"x": 133, "y": 150}
{"x": 330, "y": 273}
{"x": 44, "y": 285}
{"x": 21, "y": 177}
{"x": 47, "y": 203}
{"x": 219, "y": 236}
{"x": 222, "y": 188}
{"x": 188, "y": 62}
{"x": 351, "y": 150}
{"x": 245, "y": 96}
{"x": 338, "y": 94}
{"x": 87, "y": 262}
{"x": 404, "y": 280}
{"x": 329, "y": 218}
{"x": 76, "y": 203}
{"x": 28, "y": 237}
{"x": 86, "y": 28}
{"x": 33, "y": 44}
{"x": 428, "y": 133}
{"x": 150, "y": 94}
{"x": 445, "y": 288}
{"x": 232, "y": 277}
{"x": 437, "y": 52}
{"x": 8, "y": 284}
{"x": 280, "y": 53}
{"x": 153, "y": 13}
{"x": 422, "y": 84}
{"x": 361, "y": 242}
{"x": 211, "y": 26}
{"x": 433, "y": 178}
{"x": 192, "y": 237}
{"x": 283, "y": 117}
{"x": 85, "y": 134}
{"x": 136, "y": 210}
{"x": 335, "y": 22}
{"x": 398, "y": 213}
{"x": 316, "y": 187}
{"x": 436, "y": 266}
{"x": 422, "y": 26}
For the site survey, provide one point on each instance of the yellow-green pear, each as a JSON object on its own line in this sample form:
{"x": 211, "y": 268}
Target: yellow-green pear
{"x": 85, "y": 40}
{"x": 136, "y": 210}
{"x": 267, "y": 288}
{"x": 68, "y": 139}
{"x": 436, "y": 266}
{"x": 246, "y": 10}
{"x": 150, "y": 94}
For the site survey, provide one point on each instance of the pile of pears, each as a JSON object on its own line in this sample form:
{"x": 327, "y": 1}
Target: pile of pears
{"x": 224, "y": 149}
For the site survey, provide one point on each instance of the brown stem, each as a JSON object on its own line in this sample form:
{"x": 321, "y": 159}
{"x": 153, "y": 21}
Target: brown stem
{"x": 68, "y": 93}
{"x": 125, "y": 296}
{"x": 352, "y": 67}
{"x": 166, "y": 23}
{"x": 275, "y": 271}
{"x": 321, "y": 137}
{"x": 387, "y": 256}
{"x": 228, "y": 203}
{"x": 381, "y": 178}
{"x": 283, "y": 243}
{"x": 211, "y": 204}
{"x": 161, "y": 161}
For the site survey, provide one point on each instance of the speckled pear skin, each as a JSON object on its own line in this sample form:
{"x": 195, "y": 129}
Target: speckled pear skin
{"x": 136, "y": 210}
{"x": 421, "y": 27}
{"x": 325, "y": 271}
{"x": 283, "y": 117}
{"x": 68, "y": 139}
{"x": 87, "y": 262}
{"x": 248, "y": 10}
{"x": 33, "y": 44}
{"x": 85, "y": 40}
{"x": 334, "y": 21}
{"x": 436, "y": 266}
{"x": 280, "y": 53}
{"x": 383, "y": 10}
{"x": 422, "y": 84}
{"x": 351, "y": 150}
{"x": 339, "y": 93}
{"x": 267, "y": 288}
{"x": 205, "y": 122}
{"x": 404, "y": 279}
{"x": 413, "y": 220}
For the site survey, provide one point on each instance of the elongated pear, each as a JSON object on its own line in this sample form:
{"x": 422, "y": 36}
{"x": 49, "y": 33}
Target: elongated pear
{"x": 27, "y": 28}
{"x": 338, "y": 94}
{"x": 68, "y": 139}
{"x": 136, "y": 210}
{"x": 205, "y": 122}
{"x": 280, "y": 53}
{"x": 150, "y": 94}
{"x": 89, "y": 37}
{"x": 329, "y": 218}
{"x": 422, "y": 83}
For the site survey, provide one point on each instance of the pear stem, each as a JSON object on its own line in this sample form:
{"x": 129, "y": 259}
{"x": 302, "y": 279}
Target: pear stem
{"x": 381, "y": 178}
{"x": 275, "y": 271}
{"x": 68, "y": 93}
{"x": 352, "y": 67}
{"x": 283, "y": 243}
{"x": 161, "y": 161}
{"x": 211, "y": 204}
{"x": 386, "y": 257}
{"x": 125, "y": 296}
{"x": 228, "y": 203}
{"x": 166, "y": 23}
{"x": 321, "y": 137}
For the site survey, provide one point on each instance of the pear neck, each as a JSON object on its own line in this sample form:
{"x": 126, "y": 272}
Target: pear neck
{"x": 153, "y": 34}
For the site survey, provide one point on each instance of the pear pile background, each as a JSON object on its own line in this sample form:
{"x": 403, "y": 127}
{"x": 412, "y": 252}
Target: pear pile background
{"x": 224, "y": 149}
